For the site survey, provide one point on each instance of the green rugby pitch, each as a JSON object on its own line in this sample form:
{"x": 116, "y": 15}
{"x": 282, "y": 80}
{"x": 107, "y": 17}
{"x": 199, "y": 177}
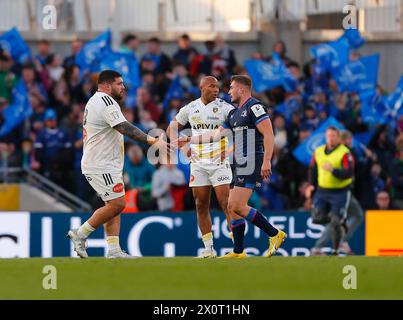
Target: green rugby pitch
{"x": 188, "y": 278}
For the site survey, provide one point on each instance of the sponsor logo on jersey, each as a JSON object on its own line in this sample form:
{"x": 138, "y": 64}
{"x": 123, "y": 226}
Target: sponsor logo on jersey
{"x": 205, "y": 126}
{"x": 240, "y": 128}
{"x": 118, "y": 188}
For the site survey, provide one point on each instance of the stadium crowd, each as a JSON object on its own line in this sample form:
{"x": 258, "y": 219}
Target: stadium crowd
{"x": 50, "y": 141}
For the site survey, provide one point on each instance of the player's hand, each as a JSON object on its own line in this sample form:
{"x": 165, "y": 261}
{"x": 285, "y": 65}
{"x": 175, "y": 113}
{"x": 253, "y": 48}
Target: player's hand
{"x": 308, "y": 191}
{"x": 181, "y": 142}
{"x": 162, "y": 145}
{"x": 266, "y": 170}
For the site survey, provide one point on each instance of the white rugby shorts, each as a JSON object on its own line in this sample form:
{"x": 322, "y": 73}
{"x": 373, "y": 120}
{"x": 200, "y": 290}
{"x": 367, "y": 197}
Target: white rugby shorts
{"x": 109, "y": 186}
{"x": 210, "y": 174}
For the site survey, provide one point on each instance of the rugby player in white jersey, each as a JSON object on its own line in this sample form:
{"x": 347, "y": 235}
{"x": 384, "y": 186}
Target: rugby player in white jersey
{"x": 102, "y": 163}
{"x": 210, "y": 167}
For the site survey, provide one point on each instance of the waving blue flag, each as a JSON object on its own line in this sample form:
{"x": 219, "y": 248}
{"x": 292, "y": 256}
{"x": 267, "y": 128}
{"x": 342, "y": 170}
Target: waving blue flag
{"x": 377, "y": 109}
{"x": 18, "y": 111}
{"x": 353, "y": 38}
{"x": 373, "y": 109}
{"x": 13, "y": 43}
{"x": 91, "y": 54}
{"x": 124, "y": 63}
{"x": 175, "y": 91}
{"x": 359, "y": 75}
{"x": 268, "y": 75}
{"x": 331, "y": 55}
{"x": 303, "y": 153}
{"x": 395, "y": 99}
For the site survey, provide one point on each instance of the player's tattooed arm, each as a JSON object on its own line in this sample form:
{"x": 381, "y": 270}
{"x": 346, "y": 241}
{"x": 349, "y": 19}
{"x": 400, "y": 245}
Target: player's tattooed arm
{"x": 131, "y": 131}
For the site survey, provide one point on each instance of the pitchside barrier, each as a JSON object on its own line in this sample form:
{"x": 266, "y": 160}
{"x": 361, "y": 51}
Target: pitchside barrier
{"x": 24, "y": 234}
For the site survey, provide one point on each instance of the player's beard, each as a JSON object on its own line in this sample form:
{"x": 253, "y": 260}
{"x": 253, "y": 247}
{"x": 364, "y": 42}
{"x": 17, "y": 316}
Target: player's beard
{"x": 116, "y": 95}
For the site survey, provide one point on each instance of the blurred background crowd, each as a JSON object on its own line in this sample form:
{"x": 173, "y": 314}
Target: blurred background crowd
{"x": 50, "y": 140}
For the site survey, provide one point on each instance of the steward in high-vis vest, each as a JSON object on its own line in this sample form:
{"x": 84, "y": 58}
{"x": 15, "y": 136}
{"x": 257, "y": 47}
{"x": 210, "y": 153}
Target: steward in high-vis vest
{"x": 331, "y": 174}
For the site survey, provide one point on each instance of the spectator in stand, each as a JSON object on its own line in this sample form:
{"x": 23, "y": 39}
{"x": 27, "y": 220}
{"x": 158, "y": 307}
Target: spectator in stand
{"x": 383, "y": 147}
{"x": 310, "y": 119}
{"x": 138, "y": 174}
{"x": 225, "y": 53}
{"x": 137, "y": 169}
{"x": 74, "y": 85}
{"x": 33, "y": 83}
{"x": 280, "y": 48}
{"x": 396, "y": 174}
{"x": 161, "y": 62}
{"x": 383, "y": 201}
{"x": 61, "y": 99}
{"x": 202, "y": 64}
{"x": 164, "y": 178}
{"x": 53, "y": 151}
{"x": 280, "y": 132}
{"x": 144, "y": 101}
{"x": 43, "y": 49}
{"x": 130, "y": 44}
{"x": 37, "y": 119}
{"x": 76, "y": 46}
{"x": 146, "y": 121}
{"x": 7, "y": 78}
{"x": 53, "y": 66}
{"x": 185, "y": 53}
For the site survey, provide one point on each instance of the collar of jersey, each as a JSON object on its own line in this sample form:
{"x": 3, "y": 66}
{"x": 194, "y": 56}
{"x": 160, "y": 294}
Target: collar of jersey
{"x": 245, "y": 102}
{"x": 207, "y": 103}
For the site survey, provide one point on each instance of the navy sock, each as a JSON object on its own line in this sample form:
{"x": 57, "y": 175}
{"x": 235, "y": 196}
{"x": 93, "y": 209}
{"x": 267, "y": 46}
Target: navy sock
{"x": 238, "y": 232}
{"x": 261, "y": 222}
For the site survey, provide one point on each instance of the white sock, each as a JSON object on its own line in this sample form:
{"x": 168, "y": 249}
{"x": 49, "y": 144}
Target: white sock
{"x": 113, "y": 243}
{"x": 231, "y": 236}
{"x": 85, "y": 230}
{"x": 208, "y": 241}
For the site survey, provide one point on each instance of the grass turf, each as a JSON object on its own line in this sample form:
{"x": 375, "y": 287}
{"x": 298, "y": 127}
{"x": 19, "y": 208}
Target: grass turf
{"x": 188, "y": 278}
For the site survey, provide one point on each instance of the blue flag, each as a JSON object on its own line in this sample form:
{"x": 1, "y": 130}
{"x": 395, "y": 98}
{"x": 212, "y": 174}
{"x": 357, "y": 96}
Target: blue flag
{"x": 268, "y": 75}
{"x": 18, "y": 111}
{"x": 373, "y": 109}
{"x": 13, "y": 43}
{"x": 175, "y": 91}
{"x": 359, "y": 75}
{"x": 377, "y": 109}
{"x": 304, "y": 152}
{"x": 353, "y": 38}
{"x": 395, "y": 99}
{"x": 331, "y": 55}
{"x": 124, "y": 63}
{"x": 91, "y": 54}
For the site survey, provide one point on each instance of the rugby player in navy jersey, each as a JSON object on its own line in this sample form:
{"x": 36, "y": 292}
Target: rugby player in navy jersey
{"x": 253, "y": 148}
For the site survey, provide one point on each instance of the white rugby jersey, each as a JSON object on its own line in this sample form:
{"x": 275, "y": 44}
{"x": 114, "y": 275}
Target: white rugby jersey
{"x": 103, "y": 149}
{"x": 204, "y": 118}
